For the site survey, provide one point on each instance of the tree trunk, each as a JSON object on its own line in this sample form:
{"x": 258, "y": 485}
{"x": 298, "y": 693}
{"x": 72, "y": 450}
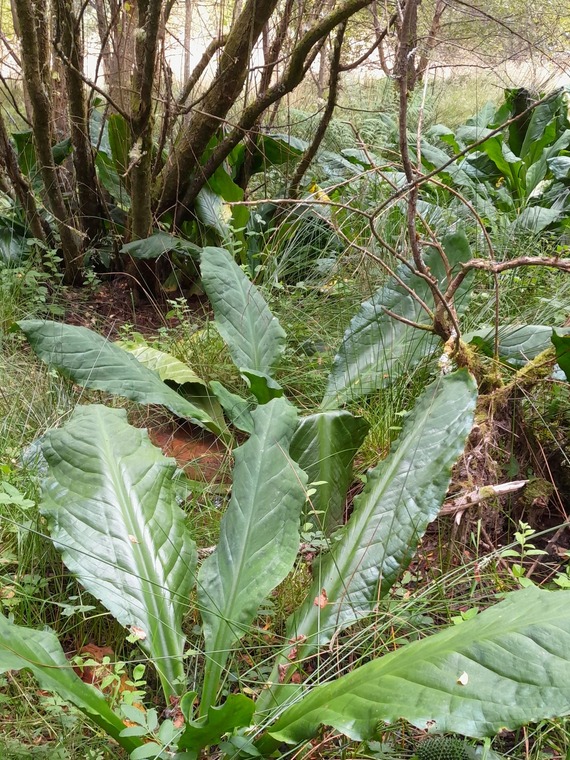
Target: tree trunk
{"x": 33, "y": 24}
{"x": 225, "y": 89}
{"x": 300, "y": 59}
{"x": 311, "y": 152}
{"x": 90, "y": 203}
{"x": 9, "y": 161}
{"x": 116, "y": 29}
{"x": 188, "y": 8}
{"x": 431, "y": 40}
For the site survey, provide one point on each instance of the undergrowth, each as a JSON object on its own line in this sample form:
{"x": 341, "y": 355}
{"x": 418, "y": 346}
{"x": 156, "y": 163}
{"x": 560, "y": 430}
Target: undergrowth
{"x": 460, "y": 570}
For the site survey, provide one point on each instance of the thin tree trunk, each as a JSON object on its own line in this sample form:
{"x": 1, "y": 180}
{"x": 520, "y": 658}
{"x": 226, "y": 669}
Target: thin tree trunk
{"x": 117, "y": 37}
{"x": 431, "y": 39}
{"x": 311, "y": 152}
{"x": 35, "y": 60}
{"x": 232, "y": 71}
{"x": 22, "y": 190}
{"x": 90, "y": 202}
{"x": 150, "y": 12}
{"x": 188, "y": 8}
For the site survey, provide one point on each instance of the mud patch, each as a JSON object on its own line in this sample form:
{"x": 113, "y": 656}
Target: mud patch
{"x": 202, "y": 456}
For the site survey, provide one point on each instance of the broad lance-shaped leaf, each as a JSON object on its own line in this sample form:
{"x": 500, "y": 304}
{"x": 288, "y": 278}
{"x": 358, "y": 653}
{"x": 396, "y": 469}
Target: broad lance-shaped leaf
{"x": 181, "y": 378}
{"x": 238, "y": 409}
{"x": 109, "y": 499}
{"x": 254, "y": 337}
{"x": 508, "y": 666}
{"x": 517, "y": 343}
{"x": 259, "y": 537}
{"x": 92, "y": 361}
{"x": 324, "y": 446}
{"x": 40, "y": 652}
{"x": 377, "y": 348}
{"x": 403, "y": 494}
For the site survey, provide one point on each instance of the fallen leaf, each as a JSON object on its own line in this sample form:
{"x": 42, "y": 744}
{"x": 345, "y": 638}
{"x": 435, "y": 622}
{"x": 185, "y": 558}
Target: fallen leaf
{"x": 321, "y": 600}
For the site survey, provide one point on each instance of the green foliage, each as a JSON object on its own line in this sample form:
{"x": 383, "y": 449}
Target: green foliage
{"x": 94, "y": 362}
{"x": 126, "y": 509}
{"x": 108, "y": 488}
{"x": 324, "y": 446}
{"x": 474, "y": 679}
{"x": 562, "y": 346}
{"x": 376, "y": 347}
{"x": 259, "y": 537}
{"x": 442, "y": 748}
{"x": 41, "y": 653}
{"x": 518, "y": 344}
{"x": 521, "y": 171}
{"x": 253, "y": 335}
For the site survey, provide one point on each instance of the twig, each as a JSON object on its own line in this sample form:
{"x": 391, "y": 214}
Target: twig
{"x": 466, "y": 500}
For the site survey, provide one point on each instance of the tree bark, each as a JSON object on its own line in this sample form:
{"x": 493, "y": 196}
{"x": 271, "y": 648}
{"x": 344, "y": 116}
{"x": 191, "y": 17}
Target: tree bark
{"x": 291, "y": 78}
{"x": 431, "y": 40}
{"x": 232, "y": 71}
{"x": 90, "y": 202}
{"x": 147, "y": 34}
{"x": 116, "y": 34}
{"x": 22, "y": 190}
{"x": 311, "y": 152}
{"x": 35, "y": 61}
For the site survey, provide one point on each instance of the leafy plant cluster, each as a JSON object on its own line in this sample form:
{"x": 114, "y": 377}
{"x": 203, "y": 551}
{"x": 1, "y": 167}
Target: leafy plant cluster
{"x": 108, "y": 497}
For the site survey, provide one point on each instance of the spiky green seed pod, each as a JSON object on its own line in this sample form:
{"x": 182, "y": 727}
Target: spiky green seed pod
{"x": 442, "y": 748}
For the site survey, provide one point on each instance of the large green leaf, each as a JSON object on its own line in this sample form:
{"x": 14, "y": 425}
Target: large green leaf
{"x": 535, "y": 219}
{"x": 92, "y": 361}
{"x": 508, "y": 666}
{"x": 403, "y": 494}
{"x": 238, "y": 409}
{"x": 109, "y": 499}
{"x": 182, "y": 378}
{"x": 517, "y": 343}
{"x": 223, "y": 185}
{"x": 259, "y": 536}
{"x": 120, "y": 142}
{"x": 111, "y": 181}
{"x": 158, "y": 244}
{"x": 40, "y": 652}
{"x": 214, "y": 212}
{"x": 562, "y": 346}
{"x": 166, "y": 366}
{"x": 324, "y": 446}
{"x": 253, "y": 335}
{"x": 376, "y": 347}
{"x": 542, "y": 128}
